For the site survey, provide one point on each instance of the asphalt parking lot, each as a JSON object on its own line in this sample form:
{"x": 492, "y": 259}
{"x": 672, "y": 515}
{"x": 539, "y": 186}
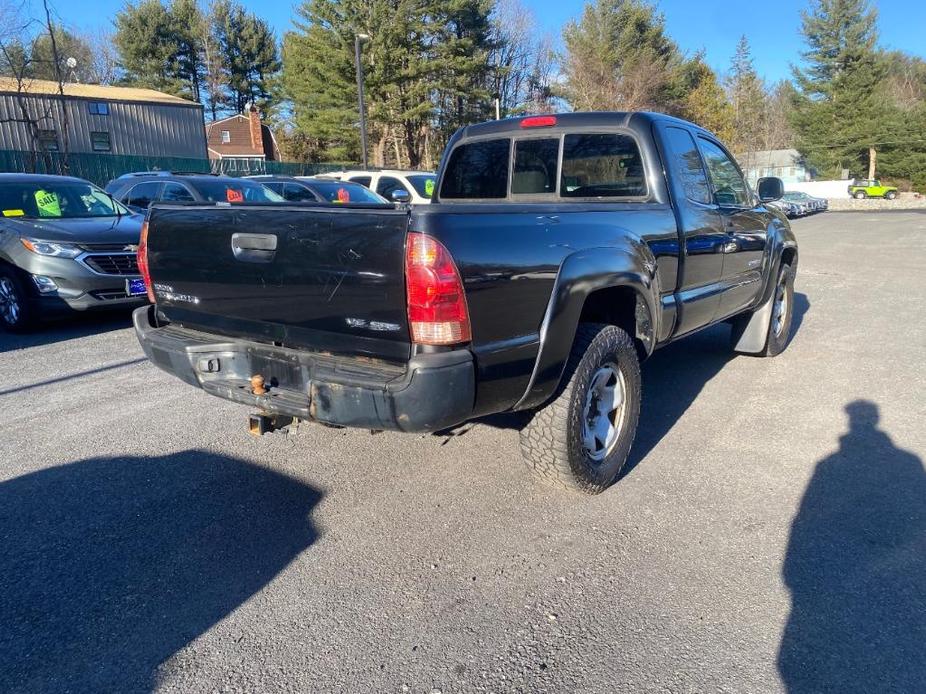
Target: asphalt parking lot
{"x": 768, "y": 535}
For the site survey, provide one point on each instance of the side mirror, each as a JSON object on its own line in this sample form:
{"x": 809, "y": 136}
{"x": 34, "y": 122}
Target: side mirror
{"x": 401, "y": 196}
{"x": 770, "y": 189}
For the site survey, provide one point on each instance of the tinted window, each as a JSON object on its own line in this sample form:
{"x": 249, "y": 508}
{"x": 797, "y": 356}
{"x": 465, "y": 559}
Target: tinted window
{"x": 174, "y": 192}
{"x": 342, "y": 192}
{"x": 234, "y": 191}
{"x": 477, "y": 170}
{"x": 143, "y": 194}
{"x": 535, "y": 166}
{"x": 275, "y": 186}
{"x": 602, "y": 166}
{"x": 362, "y": 180}
{"x": 297, "y": 193}
{"x": 729, "y": 186}
{"x": 387, "y": 185}
{"x": 423, "y": 184}
{"x": 688, "y": 164}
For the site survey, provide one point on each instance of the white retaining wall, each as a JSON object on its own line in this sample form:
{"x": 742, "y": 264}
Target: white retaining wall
{"x": 822, "y": 189}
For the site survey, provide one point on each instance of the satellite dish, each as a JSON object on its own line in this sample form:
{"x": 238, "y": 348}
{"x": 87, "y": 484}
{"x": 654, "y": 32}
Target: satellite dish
{"x": 72, "y": 63}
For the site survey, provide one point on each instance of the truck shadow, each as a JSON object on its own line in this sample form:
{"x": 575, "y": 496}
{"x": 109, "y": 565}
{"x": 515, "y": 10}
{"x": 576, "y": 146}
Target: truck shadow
{"x": 675, "y": 375}
{"x": 111, "y": 565}
{"x": 69, "y": 328}
{"x": 856, "y": 569}
{"x": 672, "y": 379}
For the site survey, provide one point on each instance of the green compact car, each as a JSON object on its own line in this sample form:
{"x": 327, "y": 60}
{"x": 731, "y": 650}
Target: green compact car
{"x": 865, "y": 188}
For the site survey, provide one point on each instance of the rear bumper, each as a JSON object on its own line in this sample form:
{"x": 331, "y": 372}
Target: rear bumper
{"x": 429, "y": 393}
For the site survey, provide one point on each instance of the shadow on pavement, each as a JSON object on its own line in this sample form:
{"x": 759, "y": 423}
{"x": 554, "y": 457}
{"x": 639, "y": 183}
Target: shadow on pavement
{"x": 856, "y": 569}
{"x": 111, "y": 565}
{"x": 672, "y": 378}
{"x": 70, "y": 328}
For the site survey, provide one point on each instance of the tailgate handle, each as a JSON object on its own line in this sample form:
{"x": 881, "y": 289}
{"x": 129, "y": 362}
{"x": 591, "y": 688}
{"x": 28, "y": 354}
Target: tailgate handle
{"x": 254, "y": 248}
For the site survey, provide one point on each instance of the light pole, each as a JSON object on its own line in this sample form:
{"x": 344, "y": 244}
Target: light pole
{"x": 358, "y": 39}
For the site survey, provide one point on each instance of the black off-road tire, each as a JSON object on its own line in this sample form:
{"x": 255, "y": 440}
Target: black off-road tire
{"x": 777, "y": 340}
{"x": 551, "y": 443}
{"x": 860, "y": 195}
{"x": 25, "y": 319}
{"x": 890, "y": 195}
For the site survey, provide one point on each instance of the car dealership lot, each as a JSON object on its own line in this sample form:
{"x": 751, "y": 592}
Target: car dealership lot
{"x": 149, "y": 543}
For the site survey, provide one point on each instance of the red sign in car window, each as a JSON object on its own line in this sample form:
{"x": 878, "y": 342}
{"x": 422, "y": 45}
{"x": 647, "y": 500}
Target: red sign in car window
{"x": 234, "y": 195}
{"x": 343, "y": 195}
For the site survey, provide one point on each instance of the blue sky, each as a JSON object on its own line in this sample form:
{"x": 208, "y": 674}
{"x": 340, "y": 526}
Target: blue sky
{"x": 712, "y": 25}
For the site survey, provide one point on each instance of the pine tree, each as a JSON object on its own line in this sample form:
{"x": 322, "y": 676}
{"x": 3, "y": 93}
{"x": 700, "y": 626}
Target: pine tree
{"x": 838, "y": 115}
{"x": 425, "y": 66}
{"x": 619, "y": 57}
{"x": 748, "y": 100}
{"x": 146, "y": 41}
{"x": 703, "y": 99}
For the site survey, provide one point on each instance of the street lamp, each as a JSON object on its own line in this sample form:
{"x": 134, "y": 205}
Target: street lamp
{"x": 358, "y": 39}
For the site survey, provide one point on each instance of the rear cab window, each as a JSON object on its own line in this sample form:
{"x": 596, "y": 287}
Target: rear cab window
{"x": 591, "y": 166}
{"x": 478, "y": 170}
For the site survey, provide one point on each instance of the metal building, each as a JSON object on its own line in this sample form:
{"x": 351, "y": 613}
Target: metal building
{"x": 98, "y": 119}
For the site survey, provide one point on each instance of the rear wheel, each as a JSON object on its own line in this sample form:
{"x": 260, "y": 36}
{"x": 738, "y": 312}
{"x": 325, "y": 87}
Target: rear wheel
{"x": 891, "y": 194}
{"x": 580, "y": 440}
{"x": 16, "y": 312}
{"x": 860, "y": 195}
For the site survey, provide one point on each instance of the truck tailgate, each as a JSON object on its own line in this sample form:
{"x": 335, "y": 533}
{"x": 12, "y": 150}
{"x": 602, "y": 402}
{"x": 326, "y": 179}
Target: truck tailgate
{"x": 326, "y": 279}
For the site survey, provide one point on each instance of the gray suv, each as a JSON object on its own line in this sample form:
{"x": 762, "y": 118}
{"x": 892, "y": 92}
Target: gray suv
{"x": 65, "y": 245}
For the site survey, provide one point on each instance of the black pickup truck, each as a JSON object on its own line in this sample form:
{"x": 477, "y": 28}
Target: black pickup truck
{"x": 559, "y": 251}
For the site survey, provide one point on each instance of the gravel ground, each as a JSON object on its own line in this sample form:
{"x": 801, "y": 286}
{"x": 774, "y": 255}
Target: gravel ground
{"x": 769, "y": 535}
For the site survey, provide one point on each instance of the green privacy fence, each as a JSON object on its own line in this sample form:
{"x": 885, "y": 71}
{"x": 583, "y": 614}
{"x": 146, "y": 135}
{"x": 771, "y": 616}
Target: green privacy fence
{"x": 102, "y": 168}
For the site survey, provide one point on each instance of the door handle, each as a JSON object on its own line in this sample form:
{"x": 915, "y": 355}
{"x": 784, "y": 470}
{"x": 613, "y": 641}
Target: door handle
{"x": 254, "y": 248}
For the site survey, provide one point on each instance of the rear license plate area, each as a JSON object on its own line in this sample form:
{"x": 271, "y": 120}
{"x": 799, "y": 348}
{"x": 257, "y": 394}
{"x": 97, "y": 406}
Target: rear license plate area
{"x": 278, "y": 373}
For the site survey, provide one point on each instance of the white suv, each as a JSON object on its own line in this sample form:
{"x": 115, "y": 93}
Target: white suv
{"x": 418, "y": 185}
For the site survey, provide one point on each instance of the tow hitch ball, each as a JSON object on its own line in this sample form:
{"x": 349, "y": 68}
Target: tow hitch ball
{"x": 260, "y": 423}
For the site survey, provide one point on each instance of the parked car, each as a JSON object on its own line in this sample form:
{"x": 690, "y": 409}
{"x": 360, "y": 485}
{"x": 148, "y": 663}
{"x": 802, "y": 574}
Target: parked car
{"x": 811, "y": 203}
{"x": 415, "y": 187}
{"x": 139, "y": 190}
{"x": 558, "y": 252}
{"x": 871, "y": 188}
{"x": 792, "y": 210}
{"x": 65, "y": 245}
{"x": 326, "y": 190}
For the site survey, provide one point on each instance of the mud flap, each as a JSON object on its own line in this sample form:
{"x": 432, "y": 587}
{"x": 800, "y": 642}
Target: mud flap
{"x": 754, "y": 335}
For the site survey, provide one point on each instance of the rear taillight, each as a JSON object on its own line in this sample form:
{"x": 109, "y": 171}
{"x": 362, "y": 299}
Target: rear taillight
{"x": 143, "y": 261}
{"x": 437, "y": 313}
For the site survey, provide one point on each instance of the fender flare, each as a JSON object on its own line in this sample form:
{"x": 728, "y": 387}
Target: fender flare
{"x": 580, "y": 274}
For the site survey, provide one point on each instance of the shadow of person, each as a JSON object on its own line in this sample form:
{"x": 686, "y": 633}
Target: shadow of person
{"x": 856, "y": 569}
{"x": 108, "y": 566}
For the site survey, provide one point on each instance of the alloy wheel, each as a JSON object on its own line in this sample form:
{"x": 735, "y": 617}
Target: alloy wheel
{"x": 603, "y": 416}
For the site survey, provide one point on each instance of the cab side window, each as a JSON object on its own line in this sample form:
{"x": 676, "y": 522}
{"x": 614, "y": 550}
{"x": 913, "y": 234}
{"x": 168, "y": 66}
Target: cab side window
{"x": 687, "y": 162}
{"x": 362, "y": 180}
{"x": 729, "y": 186}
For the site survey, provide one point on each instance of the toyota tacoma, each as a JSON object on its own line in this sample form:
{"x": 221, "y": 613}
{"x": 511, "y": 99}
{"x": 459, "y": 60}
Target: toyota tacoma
{"x": 559, "y": 251}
